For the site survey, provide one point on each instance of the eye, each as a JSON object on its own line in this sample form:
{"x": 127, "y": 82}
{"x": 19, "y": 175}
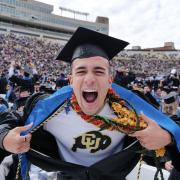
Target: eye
{"x": 99, "y": 72}
{"x": 80, "y": 72}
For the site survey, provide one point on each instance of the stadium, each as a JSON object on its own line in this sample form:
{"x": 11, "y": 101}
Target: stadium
{"x": 31, "y": 36}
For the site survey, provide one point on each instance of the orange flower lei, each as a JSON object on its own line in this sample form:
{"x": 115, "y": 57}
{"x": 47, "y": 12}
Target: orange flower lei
{"x": 126, "y": 120}
{"x": 88, "y": 118}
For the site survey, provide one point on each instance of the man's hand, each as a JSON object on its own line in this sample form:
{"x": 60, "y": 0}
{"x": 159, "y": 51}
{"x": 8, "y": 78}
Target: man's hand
{"x": 153, "y": 137}
{"x": 15, "y": 143}
{"x": 168, "y": 165}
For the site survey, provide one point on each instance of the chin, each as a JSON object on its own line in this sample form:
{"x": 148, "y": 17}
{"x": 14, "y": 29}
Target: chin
{"x": 89, "y": 112}
{"x": 92, "y": 109}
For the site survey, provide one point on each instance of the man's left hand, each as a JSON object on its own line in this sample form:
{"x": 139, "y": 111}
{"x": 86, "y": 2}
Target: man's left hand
{"x": 153, "y": 137}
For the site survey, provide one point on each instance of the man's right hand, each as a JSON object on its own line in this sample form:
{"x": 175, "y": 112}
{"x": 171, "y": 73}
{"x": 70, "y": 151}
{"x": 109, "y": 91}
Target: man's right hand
{"x": 168, "y": 165}
{"x": 15, "y": 143}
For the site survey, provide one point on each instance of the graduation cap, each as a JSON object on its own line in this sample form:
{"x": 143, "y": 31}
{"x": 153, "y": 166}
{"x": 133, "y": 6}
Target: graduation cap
{"x": 3, "y": 105}
{"x": 170, "y": 98}
{"x": 21, "y": 89}
{"x": 20, "y": 102}
{"x": 45, "y": 89}
{"x": 4, "y": 102}
{"x": 87, "y": 43}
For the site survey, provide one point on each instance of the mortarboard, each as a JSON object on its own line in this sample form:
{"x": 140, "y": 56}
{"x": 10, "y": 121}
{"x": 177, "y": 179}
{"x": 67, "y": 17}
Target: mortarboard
{"x": 88, "y": 43}
{"x": 21, "y": 102}
{"x": 3, "y": 101}
{"x": 45, "y": 89}
{"x": 22, "y": 88}
{"x": 170, "y": 98}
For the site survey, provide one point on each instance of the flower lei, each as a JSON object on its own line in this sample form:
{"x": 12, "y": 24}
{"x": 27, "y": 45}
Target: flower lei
{"x": 126, "y": 120}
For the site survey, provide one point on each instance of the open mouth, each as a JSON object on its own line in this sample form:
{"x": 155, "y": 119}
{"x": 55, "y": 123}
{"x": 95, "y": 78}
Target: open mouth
{"x": 90, "y": 96}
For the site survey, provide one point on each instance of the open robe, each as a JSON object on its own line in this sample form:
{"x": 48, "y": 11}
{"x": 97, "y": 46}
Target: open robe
{"x": 44, "y": 108}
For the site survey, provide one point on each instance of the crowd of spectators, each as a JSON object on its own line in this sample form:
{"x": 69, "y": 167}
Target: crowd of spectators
{"x": 24, "y": 49}
{"x": 149, "y": 63}
{"x": 42, "y": 53}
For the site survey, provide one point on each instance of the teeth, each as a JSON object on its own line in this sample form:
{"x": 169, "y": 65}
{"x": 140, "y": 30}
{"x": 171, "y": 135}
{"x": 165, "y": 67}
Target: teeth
{"x": 90, "y": 90}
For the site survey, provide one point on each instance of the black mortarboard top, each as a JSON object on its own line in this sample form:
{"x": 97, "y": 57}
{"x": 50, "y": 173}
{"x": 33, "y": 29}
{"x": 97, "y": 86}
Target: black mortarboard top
{"x": 22, "y": 88}
{"x": 3, "y": 101}
{"x": 45, "y": 89}
{"x": 21, "y": 101}
{"x": 167, "y": 89}
{"x": 170, "y": 98}
{"x": 88, "y": 43}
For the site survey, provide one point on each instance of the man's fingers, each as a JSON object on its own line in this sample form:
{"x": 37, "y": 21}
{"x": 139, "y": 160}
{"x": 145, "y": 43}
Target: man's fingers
{"x": 15, "y": 143}
{"x": 142, "y": 143}
{"x": 23, "y": 128}
{"x": 24, "y": 148}
{"x": 146, "y": 119}
{"x": 28, "y": 137}
{"x": 137, "y": 134}
{"x": 24, "y": 145}
{"x": 141, "y": 132}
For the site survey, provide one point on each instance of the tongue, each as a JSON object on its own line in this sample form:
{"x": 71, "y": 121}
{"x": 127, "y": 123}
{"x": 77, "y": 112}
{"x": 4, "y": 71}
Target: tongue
{"x": 90, "y": 96}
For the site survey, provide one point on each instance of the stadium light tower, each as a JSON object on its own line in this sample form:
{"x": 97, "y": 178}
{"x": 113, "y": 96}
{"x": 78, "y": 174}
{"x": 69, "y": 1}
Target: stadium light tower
{"x": 73, "y": 11}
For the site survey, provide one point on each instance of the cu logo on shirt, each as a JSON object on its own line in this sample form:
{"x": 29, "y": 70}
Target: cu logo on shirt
{"x": 93, "y": 141}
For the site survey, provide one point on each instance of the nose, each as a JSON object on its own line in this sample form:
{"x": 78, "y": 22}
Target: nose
{"x": 89, "y": 79}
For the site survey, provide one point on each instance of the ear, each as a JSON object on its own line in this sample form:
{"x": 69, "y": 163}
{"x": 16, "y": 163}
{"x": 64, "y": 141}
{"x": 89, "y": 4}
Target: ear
{"x": 70, "y": 79}
{"x": 110, "y": 80}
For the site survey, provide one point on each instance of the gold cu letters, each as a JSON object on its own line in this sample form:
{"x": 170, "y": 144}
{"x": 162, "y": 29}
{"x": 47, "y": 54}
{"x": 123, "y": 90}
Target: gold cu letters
{"x": 90, "y": 141}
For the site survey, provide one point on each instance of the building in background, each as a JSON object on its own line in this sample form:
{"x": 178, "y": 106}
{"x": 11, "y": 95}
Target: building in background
{"x": 35, "y": 18}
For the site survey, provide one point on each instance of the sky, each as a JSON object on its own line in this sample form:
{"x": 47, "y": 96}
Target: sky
{"x": 145, "y": 23}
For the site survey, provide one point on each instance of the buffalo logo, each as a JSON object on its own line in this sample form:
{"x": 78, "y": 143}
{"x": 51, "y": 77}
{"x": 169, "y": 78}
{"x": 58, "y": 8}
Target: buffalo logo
{"x": 93, "y": 141}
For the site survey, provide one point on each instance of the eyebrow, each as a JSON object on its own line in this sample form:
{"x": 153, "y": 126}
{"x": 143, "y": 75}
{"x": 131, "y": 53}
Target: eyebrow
{"x": 100, "y": 68}
{"x": 80, "y": 68}
{"x": 96, "y": 68}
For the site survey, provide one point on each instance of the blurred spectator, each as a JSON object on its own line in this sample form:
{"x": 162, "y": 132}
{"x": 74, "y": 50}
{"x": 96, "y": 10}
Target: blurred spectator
{"x": 3, "y": 83}
{"x": 170, "y": 105}
{"x": 148, "y": 93}
{"x": 123, "y": 77}
{"x": 61, "y": 81}
{"x": 37, "y": 87}
{"x": 170, "y": 108}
